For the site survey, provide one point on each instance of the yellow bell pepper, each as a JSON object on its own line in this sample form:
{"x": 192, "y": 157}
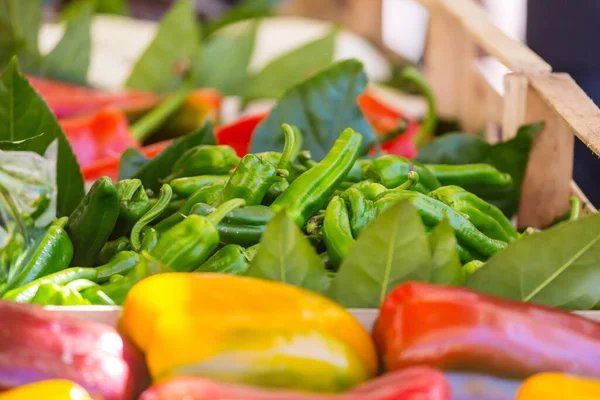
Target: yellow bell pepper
{"x": 555, "y": 386}
{"x": 201, "y": 295}
{"x": 58, "y": 389}
{"x": 243, "y": 350}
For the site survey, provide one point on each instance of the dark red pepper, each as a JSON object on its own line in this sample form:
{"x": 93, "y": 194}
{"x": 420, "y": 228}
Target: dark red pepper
{"x": 457, "y": 329}
{"x": 238, "y": 134}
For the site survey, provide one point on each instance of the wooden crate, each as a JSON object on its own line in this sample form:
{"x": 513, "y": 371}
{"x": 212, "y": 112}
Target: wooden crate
{"x": 460, "y": 34}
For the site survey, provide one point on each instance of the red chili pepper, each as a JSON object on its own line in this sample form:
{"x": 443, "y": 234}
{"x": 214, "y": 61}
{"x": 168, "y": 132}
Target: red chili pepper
{"x": 99, "y": 136}
{"x": 238, "y": 134}
{"x": 67, "y": 100}
{"x": 458, "y": 329}
{"x": 419, "y": 383}
{"x": 40, "y": 345}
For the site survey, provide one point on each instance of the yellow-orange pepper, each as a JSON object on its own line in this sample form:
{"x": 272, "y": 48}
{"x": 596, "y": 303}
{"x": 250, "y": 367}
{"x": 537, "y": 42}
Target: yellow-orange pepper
{"x": 205, "y": 295}
{"x": 554, "y": 386}
{"x": 58, "y": 389}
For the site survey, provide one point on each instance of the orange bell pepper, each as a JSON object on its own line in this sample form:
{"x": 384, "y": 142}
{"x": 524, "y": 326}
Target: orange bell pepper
{"x": 204, "y": 295}
{"x": 58, "y": 389}
{"x": 555, "y": 386}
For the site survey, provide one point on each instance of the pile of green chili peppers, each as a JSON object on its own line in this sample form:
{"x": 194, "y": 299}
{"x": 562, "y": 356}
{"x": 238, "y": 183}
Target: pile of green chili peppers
{"x": 213, "y": 208}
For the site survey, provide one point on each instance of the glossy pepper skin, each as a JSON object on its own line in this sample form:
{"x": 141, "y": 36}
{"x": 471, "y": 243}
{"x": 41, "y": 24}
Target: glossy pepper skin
{"x": 135, "y": 237}
{"x": 54, "y": 253}
{"x": 470, "y": 175}
{"x": 58, "y": 389}
{"x": 92, "y": 222}
{"x": 230, "y": 259}
{"x": 121, "y": 263}
{"x": 90, "y": 354}
{"x": 243, "y": 226}
{"x": 204, "y": 160}
{"x": 309, "y": 192}
{"x": 189, "y": 243}
{"x": 336, "y": 230}
{"x": 205, "y": 295}
{"x": 133, "y": 203}
{"x": 485, "y": 216}
{"x": 391, "y": 171}
{"x": 250, "y": 181}
{"x": 111, "y": 248}
{"x": 185, "y": 187}
{"x": 419, "y": 383}
{"x": 432, "y": 212}
{"x": 553, "y": 386}
{"x": 458, "y": 329}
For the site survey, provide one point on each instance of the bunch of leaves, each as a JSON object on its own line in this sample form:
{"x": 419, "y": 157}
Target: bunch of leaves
{"x": 510, "y": 157}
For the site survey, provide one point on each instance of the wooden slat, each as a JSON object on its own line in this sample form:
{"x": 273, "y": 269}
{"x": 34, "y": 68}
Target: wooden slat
{"x": 564, "y": 96}
{"x": 477, "y": 23}
{"x": 515, "y": 104}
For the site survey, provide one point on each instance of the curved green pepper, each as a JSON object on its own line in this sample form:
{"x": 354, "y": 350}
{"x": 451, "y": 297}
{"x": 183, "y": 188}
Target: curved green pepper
{"x": 163, "y": 201}
{"x": 112, "y": 248}
{"x": 471, "y": 267}
{"x": 250, "y": 181}
{"x": 98, "y": 297}
{"x": 392, "y": 171}
{"x": 204, "y": 160}
{"x": 470, "y": 175}
{"x": 310, "y": 191}
{"x": 121, "y": 263}
{"x": 133, "y": 203}
{"x": 336, "y": 230}
{"x": 361, "y": 210}
{"x": 293, "y": 142}
{"x": 48, "y": 294}
{"x": 185, "y": 187}
{"x": 230, "y": 259}
{"x": 149, "y": 239}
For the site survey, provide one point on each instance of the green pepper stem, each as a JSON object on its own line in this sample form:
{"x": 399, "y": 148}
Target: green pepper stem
{"x": 413, "y": 180}
{"x": 429, "y": 124}
{"x": 575, "y": 208}
{"x": 166, "y": 193}
{"x": 150, "y": 122}
{"x": 216, "y": 216}
{"x": 289, "y": 148}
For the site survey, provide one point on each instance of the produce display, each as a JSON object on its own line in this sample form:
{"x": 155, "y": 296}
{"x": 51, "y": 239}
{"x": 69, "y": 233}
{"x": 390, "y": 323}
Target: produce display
{"x": 238, "y": 254}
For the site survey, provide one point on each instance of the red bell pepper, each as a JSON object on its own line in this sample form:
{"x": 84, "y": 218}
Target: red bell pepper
{"x": 99, "y": 136}
{"x": 67, "y": 100}
{"x": 419, "y": 383}
{"x": 40, "y": 345}
{"x": 458, "y": 329}
{"x": 238, "y": 134}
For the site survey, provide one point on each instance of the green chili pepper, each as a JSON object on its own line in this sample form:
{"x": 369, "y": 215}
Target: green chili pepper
{"x": 485, "y": 216}
{"x": 121, "y": 263}
{"x": 79, "y": 285}
{"x": 98, "y": 297}
{"x": 433, "y": 211}
{"x": 134, "y": 203}
{"x": 243, "y": 226}
{"x": 204, "y": 160}
{"x": 110, "y": 249}
{"x": 13, "y": 244}
{"x": 189, "y": 243}
{"x": 165, "y": 197}
{"x": 185, "y": 187}
{"x": 471, "y": 267}
{"x": 207, "y": 194}
{"x": 310, "y": 191}
{"x": 25, "y": 293}
{"x": 251, "y": 251}
{"x": 52, "y": 254}
{"x": 470, "y": 175}
{"x": 250, "y": 181}
{"x": 392, "y": 171}
{"x": 93, "y": 221}
{"x": 361, "y": 210}
{"x": 293, "y": 142}
{"x": 336, "y": 231}
{"x": 48, "y": 294}
{"x": 72, "y": 298}
{"x": 149, "y": 239}
{"x": 230, "y": 259}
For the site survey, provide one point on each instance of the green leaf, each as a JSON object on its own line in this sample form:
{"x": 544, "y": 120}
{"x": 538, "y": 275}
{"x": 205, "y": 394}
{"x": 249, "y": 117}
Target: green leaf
{"x": 176, "y": 42}
{"x": 291, "y": 68}
{"x": 455, "y": 149}
{"x": 19, "y": 30}
{"x": 393, "y": 249}
{"x": 286, "y": 255}
{"x": 151, "y": 172}
{"x": 70, "y": 59}
{"x": 24, "y": 115}
{"x": 132, "y": 161}
{"x": 225, "y": 59}
{"x": 445, "y": 260}
{"x": 322, "y": 106}
{"x": 556, "y": 268}
{"x": 246, "y": 9}
{"x": 118, "y": 7}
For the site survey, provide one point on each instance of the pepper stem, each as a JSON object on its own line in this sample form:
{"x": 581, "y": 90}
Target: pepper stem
{"x": 428, "y": 126}
{"x": 166, "y": 193}
{"x": 216, "y": 216}
{"x": 150, "y": 122}
{"x": 413, "y": 179}
{"x": 293, "y": 142}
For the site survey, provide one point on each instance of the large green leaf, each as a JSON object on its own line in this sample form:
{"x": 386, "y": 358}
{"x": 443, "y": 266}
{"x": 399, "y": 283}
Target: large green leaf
{"x": 445, "y": 260}
{"x": 24, "y": 115}
{"x": 286, "y": 255}
{"x": 19, "y": 29}
{"x": 150, "y": 172}
{"x": 557, "y": 267}
{"x": 172, "y": 49}
{"x": 245, "y": 9}
{"x": 70, "y": 59}
{"x": 291, "y": 68}
{"x": 393, "y": 249}
{"x": 322, "y": 106}
{"x": 224, "y": 62}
